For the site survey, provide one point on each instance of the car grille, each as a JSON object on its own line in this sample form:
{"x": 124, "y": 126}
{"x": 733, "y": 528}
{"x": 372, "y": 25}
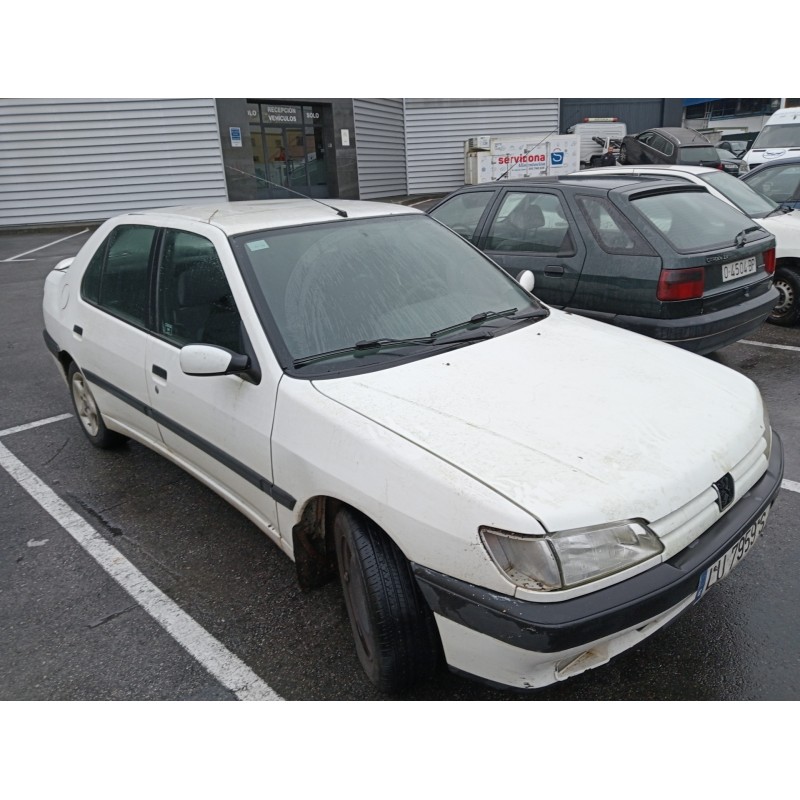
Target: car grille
{"x": 681, "y": 527}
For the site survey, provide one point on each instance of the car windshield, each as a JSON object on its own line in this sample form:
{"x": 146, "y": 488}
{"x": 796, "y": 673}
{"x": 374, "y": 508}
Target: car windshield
{"x": 693, "y": 221}
{"x": 697, "y": 155}
{"x": 739, "y": 193}
{"x": 778, "y": 136}
{"x": 330, "y": 286}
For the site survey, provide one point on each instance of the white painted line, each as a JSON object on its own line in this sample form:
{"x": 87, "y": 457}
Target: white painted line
{"x": 774, "y": 346}
{"x": 792, "y": 486}
{"x": 36, "y": 249}
{"x": 223, "y": 665}
{"x": 37, "y": 424}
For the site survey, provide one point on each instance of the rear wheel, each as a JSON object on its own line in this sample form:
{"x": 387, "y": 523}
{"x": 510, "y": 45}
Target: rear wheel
{"x": 89, "y": 414}
{"x": 395, "y": 634}
{"x": 787, "y": 309}
{"x": 623, "y": 154}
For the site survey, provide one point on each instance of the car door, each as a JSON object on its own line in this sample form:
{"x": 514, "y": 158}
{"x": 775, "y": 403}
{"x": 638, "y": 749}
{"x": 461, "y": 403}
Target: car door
{"x": 110, "y": 325}
{"x": 534, "y": 229}
{"x": 220, "y": 425}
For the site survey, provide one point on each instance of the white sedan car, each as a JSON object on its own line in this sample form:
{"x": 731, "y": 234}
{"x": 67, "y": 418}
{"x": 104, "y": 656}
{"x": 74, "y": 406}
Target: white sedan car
{"x": 782, "y": 223}
{"x": 518, "y": 491}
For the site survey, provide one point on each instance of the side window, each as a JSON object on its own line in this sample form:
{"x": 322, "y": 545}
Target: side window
{"x": 530, "y": 222}
{"x": 117, "y": 278}
{"x": 662, "y": 145}
{"x": 195, "y": 304}
{"x": 613, "y": 232}
{"x": 779, "y": 183}
{"x": 463, "y": 212}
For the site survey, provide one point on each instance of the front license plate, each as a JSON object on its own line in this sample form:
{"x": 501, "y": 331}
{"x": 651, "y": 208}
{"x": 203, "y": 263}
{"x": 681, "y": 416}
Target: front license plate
{"x": 723, "y": 566}
{"x": 747, "y": 266}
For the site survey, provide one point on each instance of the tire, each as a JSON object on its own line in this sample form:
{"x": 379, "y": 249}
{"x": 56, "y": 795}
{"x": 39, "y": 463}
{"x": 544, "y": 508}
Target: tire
{"x": 89, "y": 414}
{"x": 787, "y": 310}
{"x": 623, "y": 154}
{"x": 394, "y": 631}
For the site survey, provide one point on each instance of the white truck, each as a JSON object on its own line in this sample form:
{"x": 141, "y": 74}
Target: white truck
{"x": 601, "y": 127}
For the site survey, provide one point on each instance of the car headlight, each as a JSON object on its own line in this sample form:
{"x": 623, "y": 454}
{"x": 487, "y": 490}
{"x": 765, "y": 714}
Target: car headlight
{"x": 570, "y": 558}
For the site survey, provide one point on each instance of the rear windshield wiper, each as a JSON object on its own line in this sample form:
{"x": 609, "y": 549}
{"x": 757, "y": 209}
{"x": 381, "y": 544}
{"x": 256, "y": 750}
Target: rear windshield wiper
{"x": 368, "y": 345}
{"x": 741, "y": 237}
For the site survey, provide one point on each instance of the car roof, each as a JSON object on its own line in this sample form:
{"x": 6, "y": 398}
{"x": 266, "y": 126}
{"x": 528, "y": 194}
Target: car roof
{"x": 647, "y": 168}
{"x": 764, "y": 164}
{"x": 682, "y": 135}
{"x": 597, "y": 181}
{"x": 245, "y": 216}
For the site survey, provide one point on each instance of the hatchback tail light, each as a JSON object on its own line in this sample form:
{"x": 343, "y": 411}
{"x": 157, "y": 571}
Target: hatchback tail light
{"x": 681, "y": 284}
{"x": 769, "y": 261}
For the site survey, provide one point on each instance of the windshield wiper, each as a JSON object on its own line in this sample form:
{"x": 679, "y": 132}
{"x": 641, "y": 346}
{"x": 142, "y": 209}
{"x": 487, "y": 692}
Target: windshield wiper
{"x": 367, "y": 345}
{"x": 476, "y": 319}
{"x": 741, "y": 237}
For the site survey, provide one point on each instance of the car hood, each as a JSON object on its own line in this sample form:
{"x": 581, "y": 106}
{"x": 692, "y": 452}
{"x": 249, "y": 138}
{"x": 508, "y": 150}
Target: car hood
{"x": 786, "y": 230}
{"x": 574, "y": 421}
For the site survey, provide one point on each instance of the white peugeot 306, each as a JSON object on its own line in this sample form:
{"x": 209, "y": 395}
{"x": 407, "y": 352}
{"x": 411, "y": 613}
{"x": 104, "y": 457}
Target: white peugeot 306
{"x": 516, "y": 491}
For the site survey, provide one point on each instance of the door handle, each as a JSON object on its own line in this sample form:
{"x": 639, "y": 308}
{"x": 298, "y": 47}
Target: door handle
{"x": 554, "y": 271}
{"x": 159, "y": 371}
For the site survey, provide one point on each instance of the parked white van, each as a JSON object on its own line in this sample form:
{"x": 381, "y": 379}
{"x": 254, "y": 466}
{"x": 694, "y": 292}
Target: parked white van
{"x": 779, "y": 138}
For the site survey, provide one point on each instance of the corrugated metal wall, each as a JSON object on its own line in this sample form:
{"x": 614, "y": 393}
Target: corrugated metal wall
{"x": 638, "y": 115}
{"x": 75, "y": 160}
{"x": 381, "y": 147}
{"x": 436, "y": 130}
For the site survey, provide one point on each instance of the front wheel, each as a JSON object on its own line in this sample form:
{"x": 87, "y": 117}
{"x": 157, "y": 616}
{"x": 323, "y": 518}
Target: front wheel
{"x": 787, "y": 309}
{"x": 395, "y": 634}
{"x": 89, "y": 414}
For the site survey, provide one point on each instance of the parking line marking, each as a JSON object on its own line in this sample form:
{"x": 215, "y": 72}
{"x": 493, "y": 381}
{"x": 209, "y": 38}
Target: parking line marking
{"x": 792, "y": 486}
{"x": 37, "y": 424}
{"x": 36, "y": 249}
{"x": 774, "y": 346}
{"x": 223, "y": 665}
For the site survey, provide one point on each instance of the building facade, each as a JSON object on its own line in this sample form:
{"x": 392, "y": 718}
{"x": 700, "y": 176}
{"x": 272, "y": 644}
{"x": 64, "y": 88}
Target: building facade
{"x": 81, "y": 160}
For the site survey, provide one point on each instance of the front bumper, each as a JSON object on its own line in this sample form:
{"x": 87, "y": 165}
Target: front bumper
{"x": 543, "y": 635}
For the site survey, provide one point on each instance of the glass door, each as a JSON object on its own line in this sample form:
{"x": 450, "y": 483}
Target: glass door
{"x": 288, "y": 150}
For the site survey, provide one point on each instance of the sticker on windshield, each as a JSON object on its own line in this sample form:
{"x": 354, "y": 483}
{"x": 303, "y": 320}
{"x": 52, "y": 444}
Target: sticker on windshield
{"x": 259, "y": 244}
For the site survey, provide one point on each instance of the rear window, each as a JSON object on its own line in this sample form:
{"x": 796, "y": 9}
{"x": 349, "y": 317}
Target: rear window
{"x": 697, "y": 155}
{"x": 692, "y": 221}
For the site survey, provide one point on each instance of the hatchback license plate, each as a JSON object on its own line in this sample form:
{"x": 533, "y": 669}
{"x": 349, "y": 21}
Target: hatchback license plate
{"x": 723, "y": 566}
{"x": 746, "y": 266}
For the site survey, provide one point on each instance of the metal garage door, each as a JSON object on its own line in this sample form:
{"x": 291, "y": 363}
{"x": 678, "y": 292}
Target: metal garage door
{"x": 76, "y": 160}
{"x": 381, "y": 147}
{"x": 436, "y": 131}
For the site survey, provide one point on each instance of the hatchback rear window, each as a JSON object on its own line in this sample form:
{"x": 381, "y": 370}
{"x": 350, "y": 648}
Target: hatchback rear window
{"x": 697, "y": 155}
{"x": 692, "y": 221}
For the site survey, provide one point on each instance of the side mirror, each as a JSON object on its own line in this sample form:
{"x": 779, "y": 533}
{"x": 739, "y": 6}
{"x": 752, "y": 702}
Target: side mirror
{"x": 206, "y": 359}
{"x": 65, "y": 263}
{"x": 526, "y": 280}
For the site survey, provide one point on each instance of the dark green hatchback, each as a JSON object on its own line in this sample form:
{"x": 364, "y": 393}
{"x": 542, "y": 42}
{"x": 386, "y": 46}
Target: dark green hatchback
{"x": 660, "y": 258}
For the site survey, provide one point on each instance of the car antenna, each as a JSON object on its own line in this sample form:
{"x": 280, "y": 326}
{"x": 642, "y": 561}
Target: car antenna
{"x": 339, "y": 211}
